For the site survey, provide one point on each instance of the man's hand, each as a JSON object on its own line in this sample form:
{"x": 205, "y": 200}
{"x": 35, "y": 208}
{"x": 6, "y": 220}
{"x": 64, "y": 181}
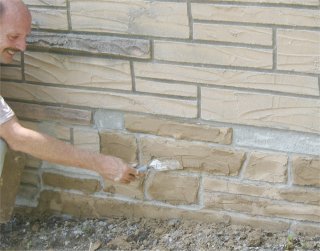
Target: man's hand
{"x": 117, "y": 170}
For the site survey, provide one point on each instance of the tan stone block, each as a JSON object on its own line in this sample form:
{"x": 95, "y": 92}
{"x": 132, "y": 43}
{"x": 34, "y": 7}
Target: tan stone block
{"x": 152, "y": 86}
{"x": 212, "y": 54}
{"x": 99, "y": 99}
{"x": 263, "y": 207}
{"x": 13, "y": 73}
{"x": 86, "y": 138}
{"x": 77, "y": 71}
{"x": 85, "y": 185}
{"x": 151, "y": 18}
{"x": 239, "y": 187}
{"x": 298, "y": 50}
{"x": 199, "y": 157}
{"x": 119, "y": 144}
{"x": 226, "y": 77}
{"x": 162, "y": 127}
{"x": 53, "y": 113}
{"x": 267, "y": 167}
{"x": 9, "y": 183}
{"x": 33, "y": 162}
{"x": 298, "y": 2}
{"x": 49, "y": 18}
{"x": 277, "y": 111}
{"x": 232, "y": 33}
{"x": 85, "y": 206}
{"x": 256, "y": 14}
{"x": 306, "y": 171}
{"x": 46, "y": 2}
{"x": 173, "y": 188}
{"x": 132, "y": 190}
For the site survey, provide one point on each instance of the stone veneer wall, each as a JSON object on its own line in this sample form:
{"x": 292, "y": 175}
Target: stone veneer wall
{"x": 229, "y": 88}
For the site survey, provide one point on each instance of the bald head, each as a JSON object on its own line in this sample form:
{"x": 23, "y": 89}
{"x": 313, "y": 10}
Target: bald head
{"x": 15, "y": 25}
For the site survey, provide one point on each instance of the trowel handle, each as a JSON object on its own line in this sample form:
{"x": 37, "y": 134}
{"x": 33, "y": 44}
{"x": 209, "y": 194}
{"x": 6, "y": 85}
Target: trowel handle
{"x": 3, "y": 151}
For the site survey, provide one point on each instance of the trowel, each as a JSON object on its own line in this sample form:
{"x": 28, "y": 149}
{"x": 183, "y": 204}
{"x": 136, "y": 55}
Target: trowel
{"x": 159, "y": 165}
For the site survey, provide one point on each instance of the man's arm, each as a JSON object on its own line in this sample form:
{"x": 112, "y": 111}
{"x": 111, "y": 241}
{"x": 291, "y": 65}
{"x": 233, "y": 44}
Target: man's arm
{"x": 50, "y": 149}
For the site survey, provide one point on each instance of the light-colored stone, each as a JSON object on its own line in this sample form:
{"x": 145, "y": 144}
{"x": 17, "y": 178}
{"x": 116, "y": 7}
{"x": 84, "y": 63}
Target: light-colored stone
{"x": 300, "y": 227}
{"x": 212, "y": 54}
{"x": 100, "y": 99}
{"x": 132, "y": 190}
{"x": 263, "y": 207}
{"x": 87, "y": 186}
{"x": 90, "y": 44}
{"x": 119, "y": 144}
{"x": 165, "y": 88}
{"x": 266, "y": 110}
{"x": 298, "y": 50}
{"x": 151, "y": 18}
{"x": 232, "y": 33}
{"x": 51, "y": 113}
{"x": 12, "y": 73}
{"x": 295, "y": 2}
{"x": 49, "y": 18}
{"x": 46, "y": 2}
{"x": 269, "y": 191}
{"x": 199, "y": 157}
{"x": 86, "y": 138}
{"x": 27, "y": 194}
{"x": 173, "y": 188}
{"x": 187, "y": 131}
{"x": 244, "y": 79}
{"x": 267, "y": 167}
{"x": 77, "y": 71}
{"x": 256, "y": 14}
{"x": 306, "y": 170}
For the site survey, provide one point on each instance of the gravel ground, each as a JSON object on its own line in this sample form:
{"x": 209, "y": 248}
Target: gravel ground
{"x": 58, "y": 233}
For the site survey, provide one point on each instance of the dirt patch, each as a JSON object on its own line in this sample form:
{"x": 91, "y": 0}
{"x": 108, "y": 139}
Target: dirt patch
{"x": 60, "y": 233}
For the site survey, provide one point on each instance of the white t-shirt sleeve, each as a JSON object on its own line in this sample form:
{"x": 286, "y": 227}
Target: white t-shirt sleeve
{"x": 5, "y": 111}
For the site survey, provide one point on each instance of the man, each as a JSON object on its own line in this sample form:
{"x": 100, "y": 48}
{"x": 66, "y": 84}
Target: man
{"x": 15, "y": 25}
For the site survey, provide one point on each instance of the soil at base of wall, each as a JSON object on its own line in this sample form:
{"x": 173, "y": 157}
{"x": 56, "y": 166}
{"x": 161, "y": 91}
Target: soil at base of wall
{"x": 64, "y": 233}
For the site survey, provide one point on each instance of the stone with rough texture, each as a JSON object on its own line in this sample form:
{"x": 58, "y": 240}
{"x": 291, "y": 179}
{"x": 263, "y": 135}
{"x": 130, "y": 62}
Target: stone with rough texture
{"x": 90, "y": 44}
{"x": 12, "y": 73}
{"x": 139, "y": 17}
{"x": 86, "y": 138}
{"x": 132, "y": 190}
{"x": 256, "y": 14}
{"x": 111, "y": 120}
{"x": 173, "y": 188}
{"x": 51, "y": 113}
{"x": 267, "y": 167}
{"x": 306, "y": 171}
{"x": 298, "y": 2}
{"x": 119, "y": 144}
{"x": 199, "y": 157}
{"x": 266, "y": 190}
{"x": 101, "y": 99}
{"x": 232, "y": 33}
{"x": 187, "y": 131}
{"x": 212, "y": 54}
{"x": 298, "y": 50}
{"x": 263, "y": 207}
{"x": 87, "y": 186}
{"x": 30, "y": 177}
{"x": 226, "y": 77}
{"x": 265, "y": 110}
{"x": 77, "y": 71}
{"x": 49, "y": 18}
